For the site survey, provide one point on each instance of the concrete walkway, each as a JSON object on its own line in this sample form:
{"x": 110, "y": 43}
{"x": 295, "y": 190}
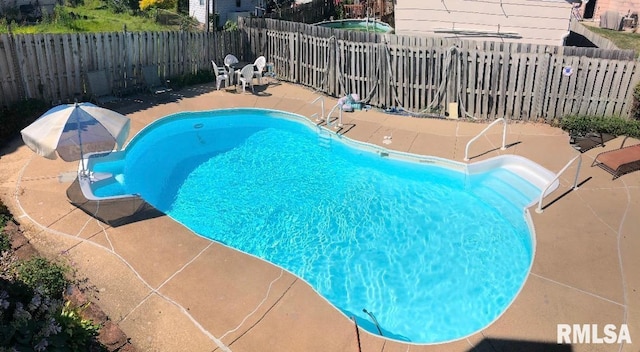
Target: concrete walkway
{"x": 171, "y": 290}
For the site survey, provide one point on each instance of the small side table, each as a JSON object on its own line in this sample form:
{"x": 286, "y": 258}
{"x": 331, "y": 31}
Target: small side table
{"x": 271, "y": 72}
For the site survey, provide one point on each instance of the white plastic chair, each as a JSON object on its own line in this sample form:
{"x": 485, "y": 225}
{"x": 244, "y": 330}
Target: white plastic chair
{"x": 246, "y": 77}
{"x": 221, "y": 75}
{"x": 229, "y": 60}
{"x": 259, "y": 65}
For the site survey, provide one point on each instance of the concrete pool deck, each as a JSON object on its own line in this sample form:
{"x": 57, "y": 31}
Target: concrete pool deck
{"x": 171, "y": 290}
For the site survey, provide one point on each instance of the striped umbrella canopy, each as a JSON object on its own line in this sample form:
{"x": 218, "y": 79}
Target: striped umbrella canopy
{"x": 71, "y": 130}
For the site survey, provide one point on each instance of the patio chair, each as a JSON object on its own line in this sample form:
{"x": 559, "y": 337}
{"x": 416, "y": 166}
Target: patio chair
{"x": 245, "y": 76}
{"x": 153, "y": 82}
{"x": 230, "y": 59}
{"x": 619, "y": 161}
{"x": 221, "y": 75}
{"x": 259, "y": 65}
{"x": 100, "y": 88}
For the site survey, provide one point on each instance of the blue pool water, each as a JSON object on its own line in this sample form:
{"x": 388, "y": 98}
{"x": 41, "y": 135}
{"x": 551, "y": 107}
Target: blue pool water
{"x": 435, "y": 255}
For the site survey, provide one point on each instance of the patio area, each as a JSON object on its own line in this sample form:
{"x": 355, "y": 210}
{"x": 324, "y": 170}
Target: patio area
{"x": 171, "y": 290}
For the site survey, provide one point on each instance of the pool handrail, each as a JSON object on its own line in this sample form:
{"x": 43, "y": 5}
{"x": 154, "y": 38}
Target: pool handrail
{"x": 321, "y": 99}
{"x": 374, "y": 320}
{"x": 339, "y": 124}
{"x": 504, "y": 136}
{"x": 575, "y": 181}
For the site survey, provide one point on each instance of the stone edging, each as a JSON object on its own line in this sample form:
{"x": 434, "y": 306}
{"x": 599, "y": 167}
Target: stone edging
{"x": 110, "y": 335}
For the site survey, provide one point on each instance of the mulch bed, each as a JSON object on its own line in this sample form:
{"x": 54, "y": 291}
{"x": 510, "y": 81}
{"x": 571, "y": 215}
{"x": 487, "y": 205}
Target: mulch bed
{"x": 110, "y": 336}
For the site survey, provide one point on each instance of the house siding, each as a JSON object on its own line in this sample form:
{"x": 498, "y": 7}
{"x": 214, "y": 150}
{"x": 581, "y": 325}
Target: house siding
{"x": 623, "y": 7}
{"x": 198, "y": 10}
{"x": 529, "y": 21}
{"x": 44, "y": 5}
{"x": 227, "y": 9}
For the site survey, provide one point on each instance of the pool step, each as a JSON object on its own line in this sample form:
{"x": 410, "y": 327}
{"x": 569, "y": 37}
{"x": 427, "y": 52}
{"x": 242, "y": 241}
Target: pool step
{"x": 507, "y": 187}
{"x": 324, "y": 140}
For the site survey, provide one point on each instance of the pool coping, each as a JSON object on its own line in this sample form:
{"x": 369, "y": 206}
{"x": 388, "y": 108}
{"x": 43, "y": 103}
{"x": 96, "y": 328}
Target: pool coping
{"x": 585, "y": 268}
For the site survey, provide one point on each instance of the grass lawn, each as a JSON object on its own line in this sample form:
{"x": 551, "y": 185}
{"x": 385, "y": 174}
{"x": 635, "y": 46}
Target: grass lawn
{"x": 93, "y": 16}
{"x": 623, "y": 40}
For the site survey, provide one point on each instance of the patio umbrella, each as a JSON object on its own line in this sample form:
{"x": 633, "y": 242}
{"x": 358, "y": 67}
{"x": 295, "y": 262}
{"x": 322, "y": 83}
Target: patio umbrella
{"x": 71, "y": 130}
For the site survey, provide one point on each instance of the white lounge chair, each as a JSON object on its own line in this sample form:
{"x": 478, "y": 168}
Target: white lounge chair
{"x": 100, "y": 88}
{"x": 221, "y": 75}
{"x": 153, "y": 82}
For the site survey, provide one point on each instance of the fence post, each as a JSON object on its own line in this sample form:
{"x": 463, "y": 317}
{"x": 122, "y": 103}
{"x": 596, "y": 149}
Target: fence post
{"x": 386, "y": 93}
{"x": 332, "y": 47}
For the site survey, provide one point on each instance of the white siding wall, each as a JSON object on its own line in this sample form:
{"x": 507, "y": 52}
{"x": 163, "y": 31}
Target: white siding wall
{"x": 197, "y": 9}
{"x": 226, "y": 8}
{"x": 528, "y": 21}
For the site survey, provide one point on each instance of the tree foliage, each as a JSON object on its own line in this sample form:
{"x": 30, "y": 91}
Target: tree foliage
{"x": 160, "y": 4}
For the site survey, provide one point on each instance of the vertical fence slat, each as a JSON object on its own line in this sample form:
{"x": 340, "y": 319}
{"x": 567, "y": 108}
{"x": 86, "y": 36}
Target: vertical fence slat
{"x": 616, "y": 81}
{"x": 596, "y": 106}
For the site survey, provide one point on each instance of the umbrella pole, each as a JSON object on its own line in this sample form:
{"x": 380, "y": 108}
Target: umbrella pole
{"x": 83, "y": 171}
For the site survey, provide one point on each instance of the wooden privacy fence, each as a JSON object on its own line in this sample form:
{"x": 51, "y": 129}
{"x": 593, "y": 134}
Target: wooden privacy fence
{"x": 424, "y": 74}
{"x": 53, "y": 67}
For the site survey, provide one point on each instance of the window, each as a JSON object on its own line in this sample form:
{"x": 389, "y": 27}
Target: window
{"x": 238, "y": 3}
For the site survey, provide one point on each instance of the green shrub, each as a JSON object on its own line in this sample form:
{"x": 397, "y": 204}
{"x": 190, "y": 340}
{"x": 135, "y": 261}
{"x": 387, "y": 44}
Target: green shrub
{"x": 615, "y": 125}
{"x": 61, "y": 16}
{"x": 230, "y": 26}
{"x": 32, "y": 314}
{"x": 18, "y": 116}
{"x": 5, "y": 216}
{"x": 81, "y": 331}
{"x": 27, "y": 317}
{"x": 188, "y": 24}
{"x": 30, "y": 320}
{"x": 635, "y": 106}
{"x": 5, "y": 241}
{"x": 40, "y": 273}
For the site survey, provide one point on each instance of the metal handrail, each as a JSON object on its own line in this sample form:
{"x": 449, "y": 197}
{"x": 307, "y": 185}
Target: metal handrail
{"x": 339, "y": 116}
{"x": 504, "y": 137}
{"x": 321, "y": 98}
{"x": 374, "y": 320}
{"x": 575, "y": 181}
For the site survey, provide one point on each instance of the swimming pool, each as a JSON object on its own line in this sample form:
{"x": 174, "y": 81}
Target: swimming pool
{"x": 434, "y": 251}
{"x": 362, "y": 25}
